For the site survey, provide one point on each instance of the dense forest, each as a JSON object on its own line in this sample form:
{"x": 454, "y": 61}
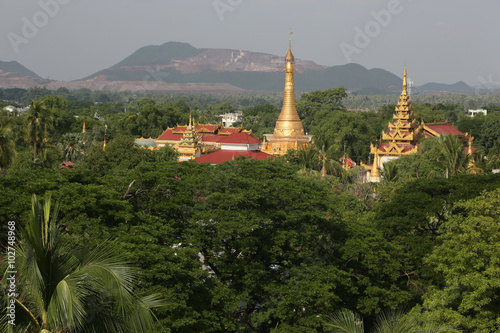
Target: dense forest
{"x": 246, "y": 246}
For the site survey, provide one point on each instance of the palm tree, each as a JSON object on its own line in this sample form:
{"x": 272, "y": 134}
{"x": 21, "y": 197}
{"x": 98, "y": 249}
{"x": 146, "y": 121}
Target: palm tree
{"x": 61, "y": 289}
{"x": 346, "y": 321}
{"x": 7, "y": 147}
{"x": 72, "y": 146}
{"x": 452, "y": 155}
{"x": 390, "y": 172}
{"x": 39, "y": 121}
{"x": 308, "y": 158}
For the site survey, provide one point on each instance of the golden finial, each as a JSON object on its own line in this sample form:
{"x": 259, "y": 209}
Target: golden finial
{"x": 405, "y": 85}
{"x": 84, "y": 129}
{"x": 289, "y": 55}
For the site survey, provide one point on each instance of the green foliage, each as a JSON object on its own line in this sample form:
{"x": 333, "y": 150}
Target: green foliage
{"x": 38, "y": 123}
{"x": 490, "y": 131}
{"x": 305, "y": 158}
{"x": 261, "y": 119}
{"x": 345, "y": 321}
{"x": 7, "y": 146}
{"x": 340, "y": 130}
{"x": 443, "y": 156}
{"x": 64, "y": 288}
{"x": 390, "y": 172}
{"x": 467, "y": 258}
{"x": 452, "y": 156}
{"x": 311, "y": 103}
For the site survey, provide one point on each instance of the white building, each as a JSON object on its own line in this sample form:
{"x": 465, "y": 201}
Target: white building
{"x": 228, "y": 119}
{"x": 471, "y": 113}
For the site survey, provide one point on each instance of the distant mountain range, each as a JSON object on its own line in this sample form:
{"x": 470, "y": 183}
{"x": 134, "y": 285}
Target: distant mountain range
{"x": 180, "y": 67}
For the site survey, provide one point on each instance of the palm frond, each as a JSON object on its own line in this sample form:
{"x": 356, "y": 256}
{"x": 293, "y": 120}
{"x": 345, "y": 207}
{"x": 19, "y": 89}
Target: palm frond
{"x": 344, "y": 321}
{"x": 67, "y": 303}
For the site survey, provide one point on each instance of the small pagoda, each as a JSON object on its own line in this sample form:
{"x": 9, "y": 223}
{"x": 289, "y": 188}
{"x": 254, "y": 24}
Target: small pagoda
{"x": 191, "y": 144}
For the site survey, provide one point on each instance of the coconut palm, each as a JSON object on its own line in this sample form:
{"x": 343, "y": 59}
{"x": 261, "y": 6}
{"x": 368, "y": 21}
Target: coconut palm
{"x": 346, "y": 321}
{"x": 390, "y": 172}
{"x": 308, "y": 158}
{"x": 38, "y": 123}
{"x": 72, "y": 146}
{"x": 453, "y": 156}
{"x": 63, "y": 289}
{"x": 7, "y": 146}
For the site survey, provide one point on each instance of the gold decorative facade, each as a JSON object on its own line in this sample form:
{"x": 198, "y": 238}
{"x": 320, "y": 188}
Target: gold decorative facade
{"x": 190, "y": 145}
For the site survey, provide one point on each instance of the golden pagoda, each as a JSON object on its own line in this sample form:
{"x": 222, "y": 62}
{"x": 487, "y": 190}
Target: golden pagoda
{"x": 403, "y": 131}
{"x": 404, "y": 134}
{"x": 288, "y": 132}
{"x": 190, "y": 145}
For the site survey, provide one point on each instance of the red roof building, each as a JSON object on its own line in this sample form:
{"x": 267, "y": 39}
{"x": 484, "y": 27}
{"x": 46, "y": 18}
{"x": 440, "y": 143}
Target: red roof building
{"x": 234, "y": 146}
{"x": 438, "y": 129}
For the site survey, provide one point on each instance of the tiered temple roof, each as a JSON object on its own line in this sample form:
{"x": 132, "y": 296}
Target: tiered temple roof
{"x": 403, "y": 132}
{"x": 191, "y": 143}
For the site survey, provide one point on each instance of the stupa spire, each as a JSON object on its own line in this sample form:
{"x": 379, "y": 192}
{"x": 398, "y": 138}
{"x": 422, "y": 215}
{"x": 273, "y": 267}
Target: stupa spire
{"x": 405, "y": 82}
{"x": 289, "y": 123}
{"x": 288, "y": 132}
{"x": 289, "y": 55}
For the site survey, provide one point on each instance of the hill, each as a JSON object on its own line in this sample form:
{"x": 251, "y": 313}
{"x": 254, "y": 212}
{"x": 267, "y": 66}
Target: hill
{"x": 181, "y": 67}
{"x": 459, "y": 87}
{"x": 16, "y": 68}
{"x": 176, "y": 63}
{"x": 15, "y": 75}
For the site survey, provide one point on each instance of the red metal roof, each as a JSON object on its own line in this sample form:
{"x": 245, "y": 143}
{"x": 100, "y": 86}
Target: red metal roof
{"x": 241, "y": 138}
{"x": 229, "y": 130}
{"x": 443, "y": 129}
{"x": 210, "y": 137}
{"x": 169, "y": 135}
{"x": 222, "y": 156}
{"x": 207, "y": 128}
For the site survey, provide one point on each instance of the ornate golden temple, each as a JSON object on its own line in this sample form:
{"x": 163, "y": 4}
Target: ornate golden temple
{"x": 288, "y": 132}
{"x": 404, "y": 134}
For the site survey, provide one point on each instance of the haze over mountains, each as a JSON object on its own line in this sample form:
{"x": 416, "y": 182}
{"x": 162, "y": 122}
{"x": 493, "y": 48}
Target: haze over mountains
{"x": 180, "y": 67}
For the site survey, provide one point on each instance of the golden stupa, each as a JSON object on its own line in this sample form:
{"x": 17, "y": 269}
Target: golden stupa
{"x": 288, "y": 132}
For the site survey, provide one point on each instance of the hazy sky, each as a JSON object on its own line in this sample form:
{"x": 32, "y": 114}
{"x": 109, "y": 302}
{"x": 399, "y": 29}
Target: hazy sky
{"x": 438, "y": 40}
